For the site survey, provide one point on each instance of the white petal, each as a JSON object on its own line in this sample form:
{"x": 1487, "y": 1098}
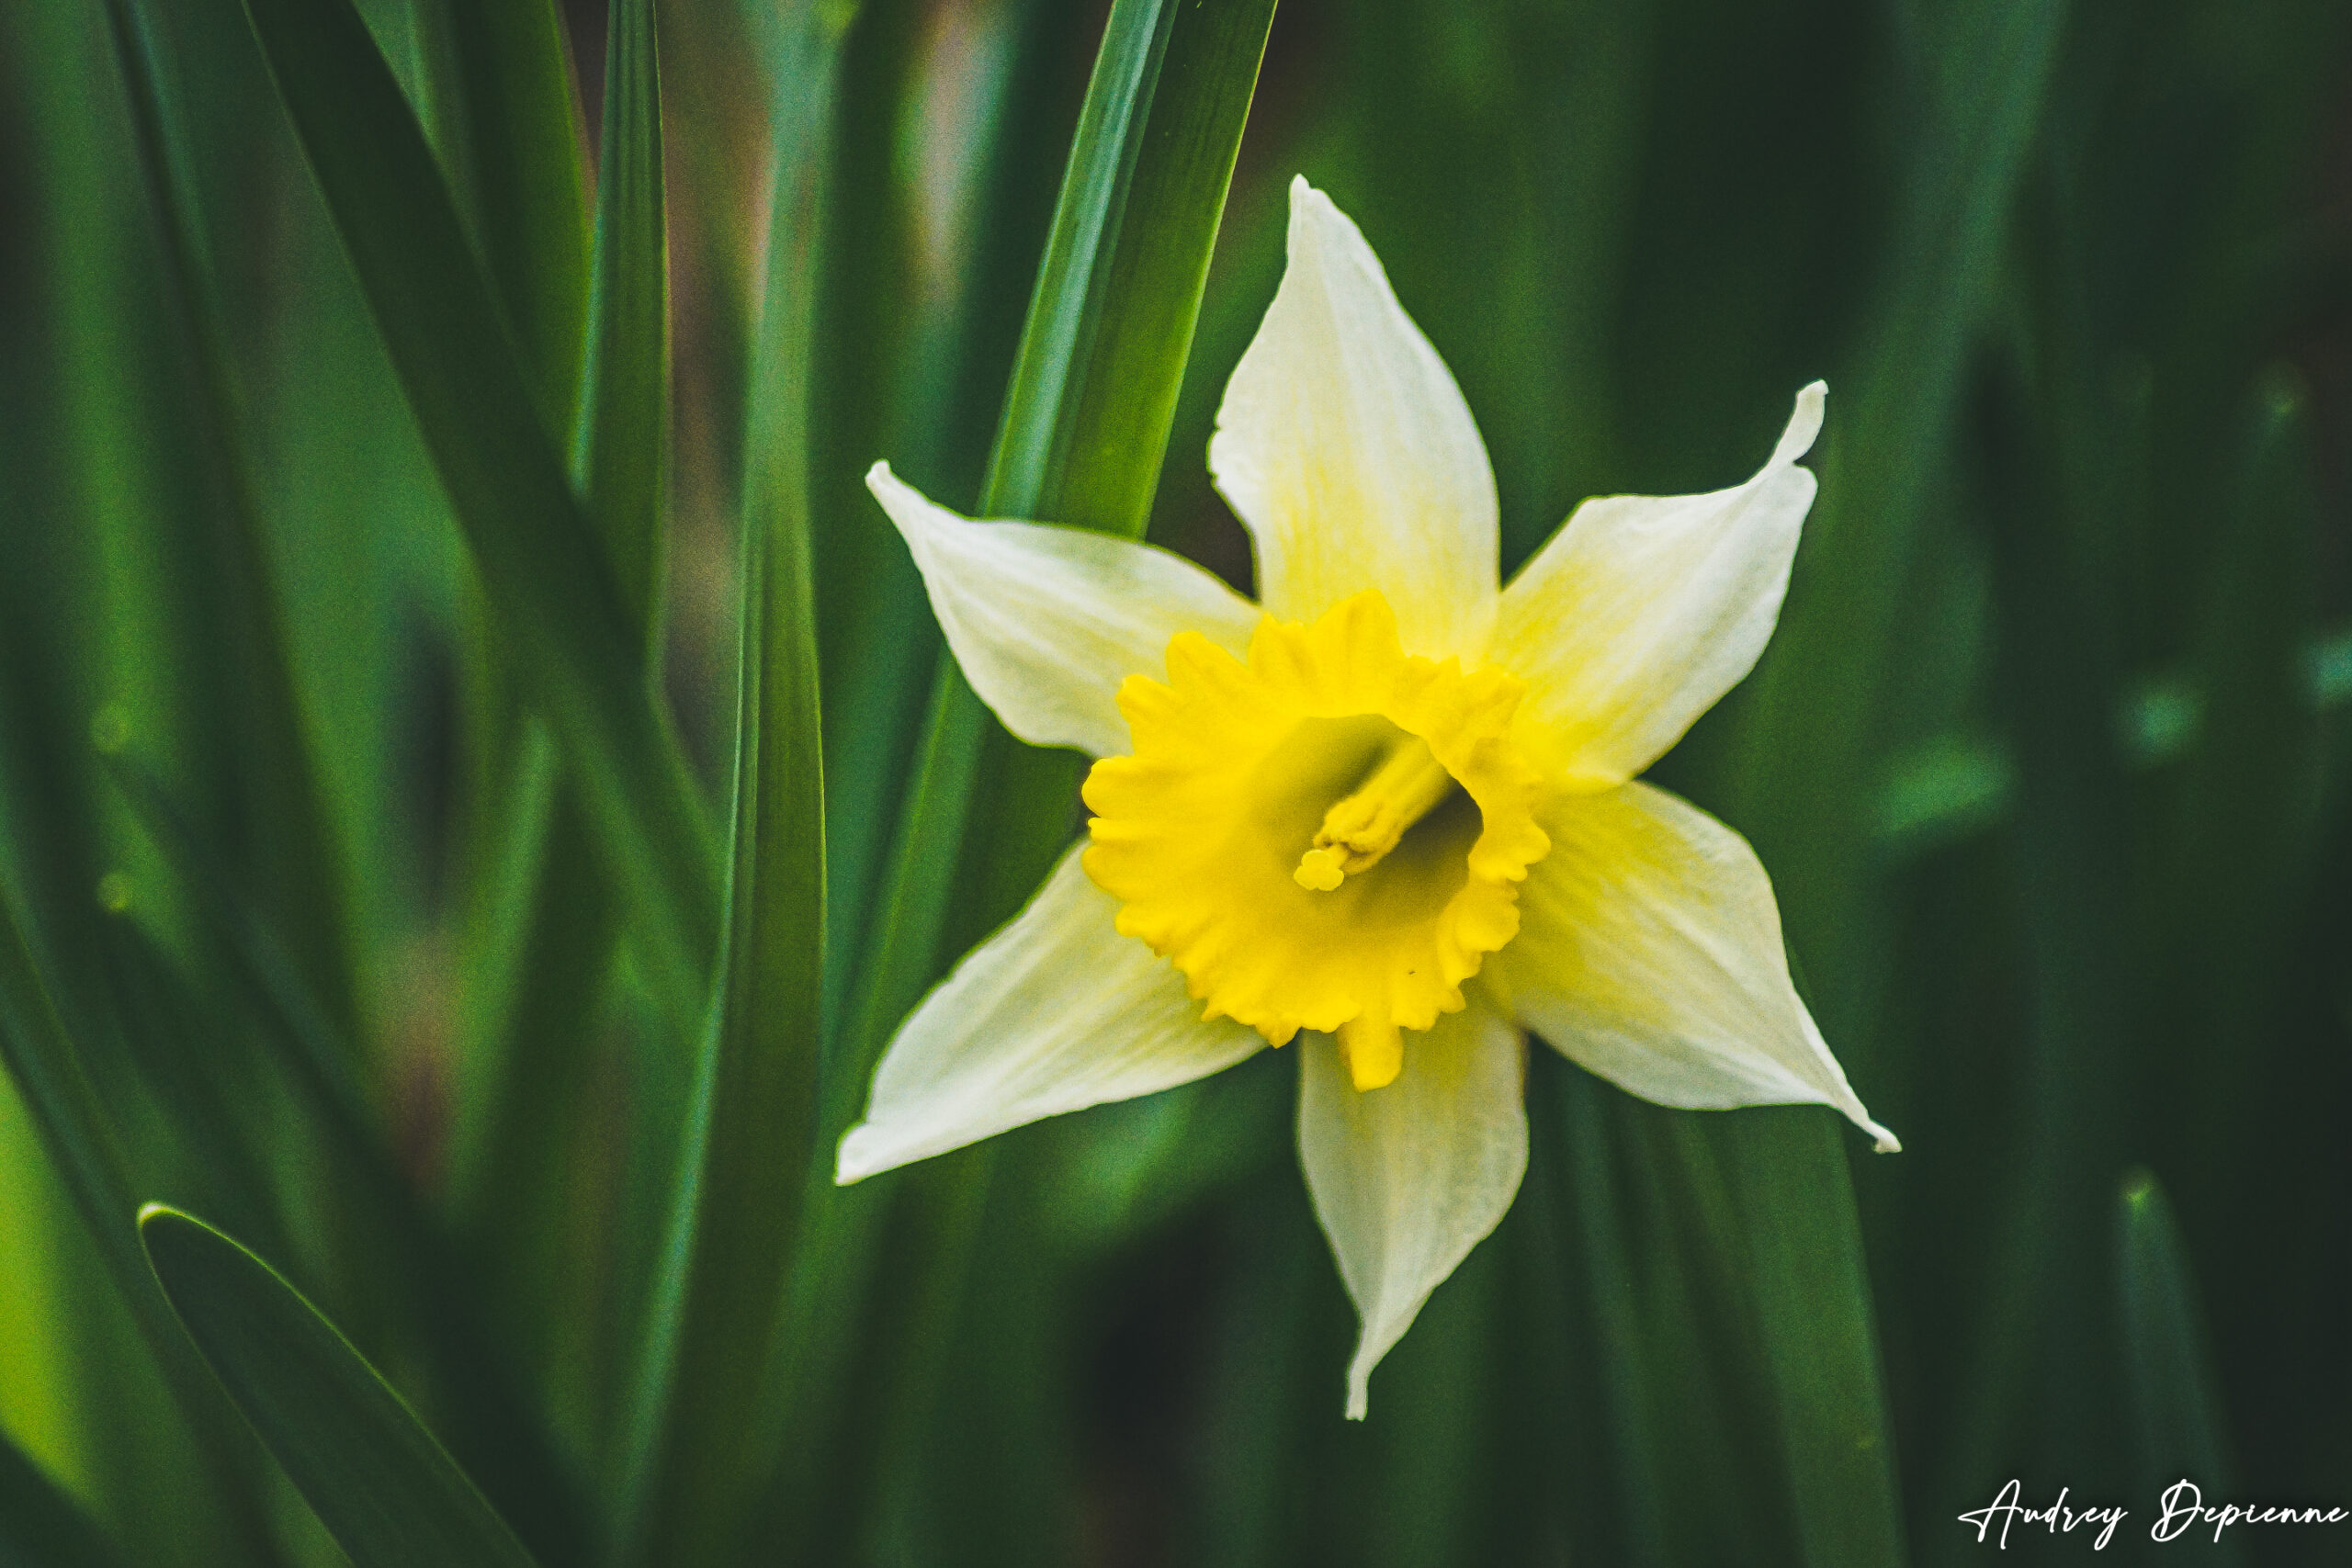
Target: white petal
{"x": 1047, "y": 621}
{"x": 1644, "y": 610}
{"x": 1347, "y": 450}
{"x": 1649, "y": 951}
{"x": 1055, "y": 1013}
{"x": 1407, "y": 1178}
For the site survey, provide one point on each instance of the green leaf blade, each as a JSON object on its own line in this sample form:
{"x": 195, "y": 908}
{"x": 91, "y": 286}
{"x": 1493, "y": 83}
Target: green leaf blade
{"x": 500, "y": 85}
{"x": 1717, "y": 1260}
{"x": 1801, "y": 783}
{"x": 296, "y": 863}
{"x": 384, "y": 1488}
{"x": 82, "y": 1145}
{"x": 696, "y": 1439}
{"x": 1083, "y": 433}
{"x": 412, "y": 1263}
{"x": 2168, "y": 1367}
{"x": 624, "y": 409}
{"x": 541, "y": 565}
{"x": 1086, "y": 418}
{"x": 1110, "y": 329}
{"x": 1797, "y": 1223}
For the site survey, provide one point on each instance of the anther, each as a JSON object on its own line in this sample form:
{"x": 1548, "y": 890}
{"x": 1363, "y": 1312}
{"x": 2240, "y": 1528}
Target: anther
{"x": 1364, "y": 826}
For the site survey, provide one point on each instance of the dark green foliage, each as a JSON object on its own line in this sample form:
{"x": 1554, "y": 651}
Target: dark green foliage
{"x": 431, "y": 446}
{"x": 381, "y": 1484}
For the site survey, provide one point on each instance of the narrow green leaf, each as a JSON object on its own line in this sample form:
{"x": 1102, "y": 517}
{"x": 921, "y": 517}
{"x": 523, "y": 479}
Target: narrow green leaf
{"x": 383, "y": 1487}
{"x": 1808, "y": 760}
{"x": 623, "y": 428}
{"x": 40, "y": 1526}
{"x": 83, "y": 1146}
{"x": 202, "y": 1082}
{"x": 320, "y": 1055}
{"x": 1437, "y": 1445}
{"x": 499, "y": 80}
{"x": 543, "y": 924}
{"x": 913, "y": 356}
{"x": 1086, "y": 417}
{"x": 1717, "y": 1264}
{"x": 1110, "y": 327}
{"x": 1085, "y": 426}
{"x": 542, "y": 567}
{"x": 2168, "y": 1367}
{"x": 2244, "y": 838}
{"x": 294, "y": 862}
{"x": 694, "y": 1456}
{"x": 1267, "y": 1392}
{"x": 49, "y": 830}
{"x": 1102, "y": 364}
{"x": 901, "y": 953}
{"x": 542, "y": 927}
{"x": 1585, "y": 1320}
{"x": 1802, "y": 1241}
{"x": 410, "y": 1257}
{"x": 2038, "y": 1297}
{"x": 1803, "y": 780}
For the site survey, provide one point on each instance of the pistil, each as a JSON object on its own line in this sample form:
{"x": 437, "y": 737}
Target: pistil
{"x": 1361, "y": 829}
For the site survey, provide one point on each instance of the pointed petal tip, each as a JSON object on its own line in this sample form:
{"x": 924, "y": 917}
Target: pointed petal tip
{"x": 901, "y": 503}
{"x": 895, "y": 494}
{"x": 1805, "y": 424}
{"x": 1315, "y": 220}
{"x": 916, "y": 516}
{"x": 853, "y": 1162}
{"x": 1849, "y": 1105}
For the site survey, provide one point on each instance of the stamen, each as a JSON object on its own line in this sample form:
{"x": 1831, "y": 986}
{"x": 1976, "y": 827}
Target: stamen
{"x": 1364, "y": 827}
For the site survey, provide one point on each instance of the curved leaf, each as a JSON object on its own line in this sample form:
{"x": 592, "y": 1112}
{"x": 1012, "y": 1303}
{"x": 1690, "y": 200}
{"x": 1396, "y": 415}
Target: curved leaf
{"x": 414, "y": 1261}
{"x": 82, "y": 1146}
{"x": 380, "y": 1483}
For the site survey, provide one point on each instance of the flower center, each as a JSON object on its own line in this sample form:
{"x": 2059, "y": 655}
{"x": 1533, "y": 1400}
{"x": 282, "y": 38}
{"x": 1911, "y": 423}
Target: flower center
{"x": 1359, "y": 832}
{"x": 1326, "y": 836}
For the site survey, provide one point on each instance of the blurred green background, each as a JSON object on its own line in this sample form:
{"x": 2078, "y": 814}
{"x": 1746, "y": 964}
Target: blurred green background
{"x": 392, "y": 584}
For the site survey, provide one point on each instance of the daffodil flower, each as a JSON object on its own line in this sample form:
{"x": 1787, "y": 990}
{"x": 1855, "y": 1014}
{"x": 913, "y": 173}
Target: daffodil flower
{"x": 1387, "y": 816}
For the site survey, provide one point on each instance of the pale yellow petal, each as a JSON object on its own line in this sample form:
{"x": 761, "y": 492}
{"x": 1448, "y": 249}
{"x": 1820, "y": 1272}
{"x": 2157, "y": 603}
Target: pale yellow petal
{"x": 1645, "y": 610}
{"x": 1407, "y": 1178}
{"x": 1046, "y": 622}
{"x": 1347, "y": 450}
{"x": 1055, "y": 1013}
{"x": 1649, "y": 952}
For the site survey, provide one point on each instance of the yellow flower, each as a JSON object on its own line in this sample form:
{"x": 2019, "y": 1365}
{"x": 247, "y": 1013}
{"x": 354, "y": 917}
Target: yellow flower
{"x": 1387, "y": 813}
